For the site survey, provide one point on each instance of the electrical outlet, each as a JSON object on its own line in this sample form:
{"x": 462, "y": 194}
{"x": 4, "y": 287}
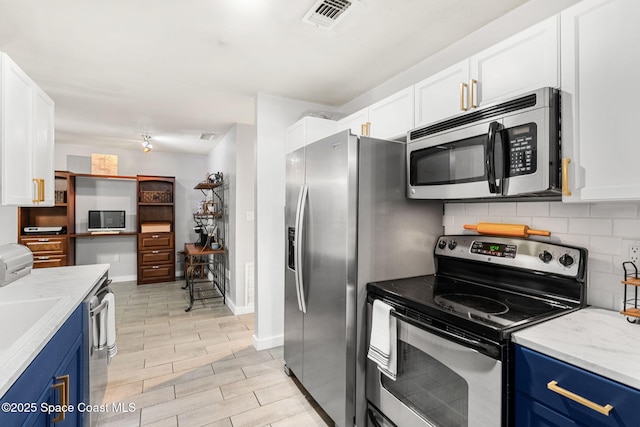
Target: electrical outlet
{"x": 634, "y": 254}
{"x": 631, "y": 251}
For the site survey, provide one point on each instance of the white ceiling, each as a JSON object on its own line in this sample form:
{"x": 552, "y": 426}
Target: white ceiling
{"x": 174, "y": 69}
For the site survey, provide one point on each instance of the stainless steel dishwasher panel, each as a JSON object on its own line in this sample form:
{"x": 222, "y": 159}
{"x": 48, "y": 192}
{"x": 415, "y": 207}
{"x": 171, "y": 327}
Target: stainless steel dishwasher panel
{"x": 96, "y": 361}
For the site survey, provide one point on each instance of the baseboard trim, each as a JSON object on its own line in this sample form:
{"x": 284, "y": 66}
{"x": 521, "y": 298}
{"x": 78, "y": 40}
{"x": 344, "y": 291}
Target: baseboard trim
{"x": 266, "y": 343}
{"x": 238, "y": 310}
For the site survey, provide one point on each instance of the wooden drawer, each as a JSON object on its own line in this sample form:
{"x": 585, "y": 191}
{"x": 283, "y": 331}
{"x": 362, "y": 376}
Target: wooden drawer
{"x": 155, "y": 240}
{"x": 156, "y": 273}
{"x": 534, "y": 371}
{"x": 156, "y": 256}
{"x": 45, "y": 245}
{"x": 43, "y": 261}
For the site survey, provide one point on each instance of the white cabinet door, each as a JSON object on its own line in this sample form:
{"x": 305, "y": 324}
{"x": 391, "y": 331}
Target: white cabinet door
{"x": 600, "y": 61}
{"x": 522, "y": 63}
{"x": 392, "y": 117}
{"x": 26, "y": 139}
{"x": 357, "y": 122}
{"x": 442, "y": 95}
{"x": 16, "y": 127}
{"x": 307, "y": 130}
{"x": 43, "y": 144}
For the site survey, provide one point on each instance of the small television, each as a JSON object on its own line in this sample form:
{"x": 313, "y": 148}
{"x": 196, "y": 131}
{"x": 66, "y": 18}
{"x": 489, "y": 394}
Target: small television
{"x": 106, "y": 220}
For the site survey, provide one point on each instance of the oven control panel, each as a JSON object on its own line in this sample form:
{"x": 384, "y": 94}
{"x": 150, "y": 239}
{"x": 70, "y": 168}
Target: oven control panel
{"x": 528, "y": 254}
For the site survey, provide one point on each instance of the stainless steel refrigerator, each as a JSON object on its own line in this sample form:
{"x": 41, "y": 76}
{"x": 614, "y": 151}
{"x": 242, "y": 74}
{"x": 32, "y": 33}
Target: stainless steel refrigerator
{"x": 348, "y": 223}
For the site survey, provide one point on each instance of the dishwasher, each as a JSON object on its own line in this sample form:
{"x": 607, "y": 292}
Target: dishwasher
{"x": 96, "y": 357}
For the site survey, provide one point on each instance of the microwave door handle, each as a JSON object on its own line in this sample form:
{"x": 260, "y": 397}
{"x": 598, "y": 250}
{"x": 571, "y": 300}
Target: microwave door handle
{"x": 504, "y": 179}
{"x": 489, "y": 159}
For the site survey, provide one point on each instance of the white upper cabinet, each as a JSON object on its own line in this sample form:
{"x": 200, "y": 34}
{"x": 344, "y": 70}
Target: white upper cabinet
{"x": 26, "y": 139}
{"x": 43, "y": 145}
{"x": 358, "y": 122}
{"x": 600, "y": 60}
{"x": 390, "y": 118}
{"x": 522, "y": 63}
{"x": 519, "y": 64}
{"x": 307, "y": 130}
{"x": 442, "y": 95}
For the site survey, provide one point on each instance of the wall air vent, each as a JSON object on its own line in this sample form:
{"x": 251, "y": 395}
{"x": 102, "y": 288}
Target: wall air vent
{"x": 327, "y": 13}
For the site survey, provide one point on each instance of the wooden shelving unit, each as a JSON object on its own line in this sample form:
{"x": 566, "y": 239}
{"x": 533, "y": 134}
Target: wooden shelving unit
{"x": 156, "y": 229}
{"x": 154, "y": 205}
{"x": 52, "y": 250}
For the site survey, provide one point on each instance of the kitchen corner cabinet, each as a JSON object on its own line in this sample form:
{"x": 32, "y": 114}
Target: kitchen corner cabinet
{"x": 389, "y": 118}
{"x": 54, "y": 377}
{"x": 524, "y": 62}
{"x": 307, "y": 130}
{"x": 549, "y": 392}
{"x": 599, "y": 105}
{"x": 26, "y": 139}
{"x": 51, "y": 250}
{"x": 156, "y": 229}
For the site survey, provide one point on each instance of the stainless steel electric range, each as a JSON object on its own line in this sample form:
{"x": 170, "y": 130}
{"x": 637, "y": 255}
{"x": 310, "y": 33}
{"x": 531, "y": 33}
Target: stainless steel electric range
{"x": 453, "y": 328}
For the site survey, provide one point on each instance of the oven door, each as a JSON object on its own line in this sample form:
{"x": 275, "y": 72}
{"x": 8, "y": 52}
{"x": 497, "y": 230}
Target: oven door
{"x": 439, "y": 383}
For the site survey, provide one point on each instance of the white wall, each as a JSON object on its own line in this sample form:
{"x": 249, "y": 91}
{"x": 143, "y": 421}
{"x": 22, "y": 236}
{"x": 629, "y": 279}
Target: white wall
{"x": 273, "y": 116}
{"x": 234, "y": 157}
{"x": 188, "y": 169}
{"x": 8, "y": 225}
{"x": 602, "y": 228}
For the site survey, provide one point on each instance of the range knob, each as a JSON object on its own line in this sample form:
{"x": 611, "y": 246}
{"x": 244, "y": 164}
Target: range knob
{"x": 452, "y": 244}
{"x": 566, "y": 260}
{"x": 442, "y": 244}
{"x": 545, "y": 256}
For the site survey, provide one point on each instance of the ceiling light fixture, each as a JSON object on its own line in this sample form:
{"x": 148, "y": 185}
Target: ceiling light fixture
{"x": 146, "y": 145}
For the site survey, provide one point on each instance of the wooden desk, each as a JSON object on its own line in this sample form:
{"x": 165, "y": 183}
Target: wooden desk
{"x": 198, "y": 263}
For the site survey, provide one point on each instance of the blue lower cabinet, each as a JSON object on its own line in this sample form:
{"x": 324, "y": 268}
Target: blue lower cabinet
{"x": 49, "y": 390}
{"x": 549, "y": 392}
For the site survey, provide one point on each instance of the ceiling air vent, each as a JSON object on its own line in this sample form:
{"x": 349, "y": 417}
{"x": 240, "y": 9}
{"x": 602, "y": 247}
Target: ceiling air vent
{"x": 327, "y": 13}
{"x": 207, "y": 136}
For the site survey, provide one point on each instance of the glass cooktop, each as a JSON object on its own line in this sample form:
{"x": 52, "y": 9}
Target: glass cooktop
{"x": 491, "y": 311}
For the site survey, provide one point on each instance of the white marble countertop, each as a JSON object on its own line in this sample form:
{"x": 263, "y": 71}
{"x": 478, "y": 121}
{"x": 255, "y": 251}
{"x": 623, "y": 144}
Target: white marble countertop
{"x": 595, "y": 339}
{"x": 67, "y": 287}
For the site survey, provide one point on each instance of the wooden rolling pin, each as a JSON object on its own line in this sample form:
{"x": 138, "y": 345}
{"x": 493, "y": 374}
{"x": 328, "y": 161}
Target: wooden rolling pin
{"x": 512, "y": 230}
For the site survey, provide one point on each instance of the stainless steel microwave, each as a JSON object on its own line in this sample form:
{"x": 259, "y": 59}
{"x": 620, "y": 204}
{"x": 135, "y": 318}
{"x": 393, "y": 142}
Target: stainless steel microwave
{"x": 507, "y": 149}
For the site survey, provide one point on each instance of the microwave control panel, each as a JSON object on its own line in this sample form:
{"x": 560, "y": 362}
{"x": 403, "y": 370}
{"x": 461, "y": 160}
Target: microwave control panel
{"x": 522, "y": 149}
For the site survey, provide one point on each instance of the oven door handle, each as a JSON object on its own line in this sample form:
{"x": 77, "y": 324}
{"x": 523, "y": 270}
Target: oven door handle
{"x": 475, "y": 345}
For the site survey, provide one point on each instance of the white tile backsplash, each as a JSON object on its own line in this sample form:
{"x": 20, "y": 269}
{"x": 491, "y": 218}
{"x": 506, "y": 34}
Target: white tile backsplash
{"x": 569, "y": 210}
{"x": 627, "y": 228}
{"x": 591, "y": 226}
{"x": 601, "y": 228}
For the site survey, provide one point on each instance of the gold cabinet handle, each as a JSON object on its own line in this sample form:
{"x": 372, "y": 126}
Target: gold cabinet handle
{"x": 39, "y": 182}
{"x": 363, "y": 129}
{"x": 604, "y": 410}
{"x": 473, "y": 85}
{"x": 463, "y": 90}
{"x": 565, "y": 176}
{"x": 37, "y": 190}
{"x": 63, "y": 387}
{"x": 368, "y": 129}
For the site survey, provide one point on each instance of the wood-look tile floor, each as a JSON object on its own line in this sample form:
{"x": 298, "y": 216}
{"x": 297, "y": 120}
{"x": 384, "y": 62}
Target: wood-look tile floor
{"x": 199, "y": 368}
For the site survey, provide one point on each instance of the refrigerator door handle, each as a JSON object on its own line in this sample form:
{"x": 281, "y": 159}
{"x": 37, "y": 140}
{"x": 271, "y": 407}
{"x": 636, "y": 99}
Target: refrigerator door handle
{"x": 302, "y": 203}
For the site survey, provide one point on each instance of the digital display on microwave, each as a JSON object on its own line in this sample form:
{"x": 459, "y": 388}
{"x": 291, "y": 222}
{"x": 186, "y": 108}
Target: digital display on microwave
{"x": 520, "y": 130}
